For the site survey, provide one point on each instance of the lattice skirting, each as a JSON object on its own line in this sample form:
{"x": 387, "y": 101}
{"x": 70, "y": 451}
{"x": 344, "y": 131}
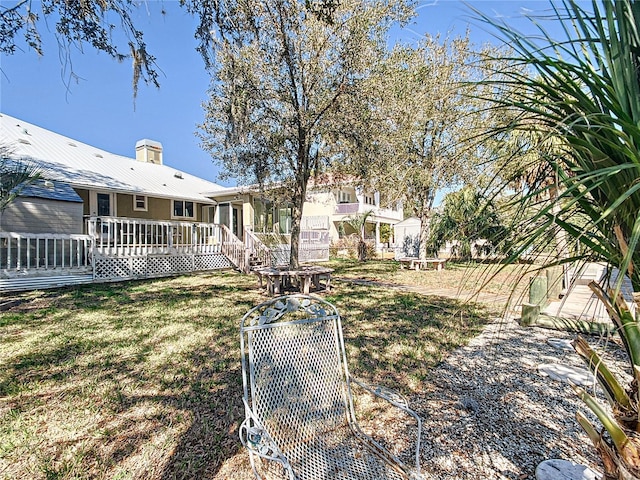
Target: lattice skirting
{"x": 123, "y": 268}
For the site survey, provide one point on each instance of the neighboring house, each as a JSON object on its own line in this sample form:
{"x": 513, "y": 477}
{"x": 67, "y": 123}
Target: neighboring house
{"x": 342, "y": 200}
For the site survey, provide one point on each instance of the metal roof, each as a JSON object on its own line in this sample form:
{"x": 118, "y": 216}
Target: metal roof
{"x": 84, "y": 166}
{"x": 51, "y": 191}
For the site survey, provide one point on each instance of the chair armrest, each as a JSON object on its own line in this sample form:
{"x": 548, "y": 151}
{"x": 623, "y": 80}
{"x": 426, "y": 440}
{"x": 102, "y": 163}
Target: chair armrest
{"x": 389, "y": 395}
{"x": 255, "y": 438}
{"x": 398, "y": 401}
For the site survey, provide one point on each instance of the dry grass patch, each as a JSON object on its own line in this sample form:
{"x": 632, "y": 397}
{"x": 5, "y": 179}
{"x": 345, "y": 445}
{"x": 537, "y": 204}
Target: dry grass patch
{"x": 142, "y": 379}
{"x": 461, "y": 277}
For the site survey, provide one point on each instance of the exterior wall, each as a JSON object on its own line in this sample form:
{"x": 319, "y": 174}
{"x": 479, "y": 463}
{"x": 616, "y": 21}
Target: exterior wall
{"x": 327, "y": 203}
{"x": 84, "y": 195}
{"x": 157, "y": 209}
{"x": 38, "y": 215}
{"x": 247, "y": 211}
{"x": 323, "y": 203}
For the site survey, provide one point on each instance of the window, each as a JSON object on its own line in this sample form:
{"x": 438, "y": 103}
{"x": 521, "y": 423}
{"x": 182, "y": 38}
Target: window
{"x": 104, "y": 204}
{"x": 224, "y": 214}
{"x": 183, "y": 209}
{"x": 369, "y": 200}
{"x": 344, "y": 197}
{"x": 140, "y": 203}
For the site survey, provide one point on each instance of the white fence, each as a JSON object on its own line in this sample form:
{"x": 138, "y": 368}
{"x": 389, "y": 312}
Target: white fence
{"x": 313, "y": 247}
{"x": 124, "y": 248}
{"x": 40, "y": 252}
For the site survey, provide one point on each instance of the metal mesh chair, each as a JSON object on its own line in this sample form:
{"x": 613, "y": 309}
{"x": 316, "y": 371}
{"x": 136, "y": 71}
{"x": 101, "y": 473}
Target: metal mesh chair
{"x": 300, "y": 420}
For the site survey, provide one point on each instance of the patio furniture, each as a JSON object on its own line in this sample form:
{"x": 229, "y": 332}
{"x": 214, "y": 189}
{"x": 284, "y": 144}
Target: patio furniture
{"x": 302, "y": 279}
{"x": 300, "y": 418}
{"x": 422, "y": 263}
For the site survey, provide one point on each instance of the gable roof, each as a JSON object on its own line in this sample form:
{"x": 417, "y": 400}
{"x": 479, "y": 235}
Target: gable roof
{"x": 84, "y": 166}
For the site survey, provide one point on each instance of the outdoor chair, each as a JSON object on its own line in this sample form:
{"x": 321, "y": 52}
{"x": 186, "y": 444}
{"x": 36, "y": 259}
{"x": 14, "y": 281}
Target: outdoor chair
{"x": 300, "y": 419}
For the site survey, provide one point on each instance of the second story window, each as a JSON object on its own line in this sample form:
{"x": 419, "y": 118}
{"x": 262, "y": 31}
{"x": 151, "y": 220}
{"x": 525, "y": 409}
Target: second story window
{"x": 369, "y": 200}
{"x": 344, "y": 197}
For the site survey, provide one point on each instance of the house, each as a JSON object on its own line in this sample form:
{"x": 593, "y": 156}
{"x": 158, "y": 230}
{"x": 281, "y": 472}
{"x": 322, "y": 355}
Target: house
{"x": 109, "y": 185}
{"x": 98, "y": 216}
{"x": 342, "y": 200}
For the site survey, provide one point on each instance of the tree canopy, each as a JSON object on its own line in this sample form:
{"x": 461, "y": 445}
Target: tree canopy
{"x": 77, "y": 23}
{"x": 286, "y": 76}
{"x": 427, "y": 116}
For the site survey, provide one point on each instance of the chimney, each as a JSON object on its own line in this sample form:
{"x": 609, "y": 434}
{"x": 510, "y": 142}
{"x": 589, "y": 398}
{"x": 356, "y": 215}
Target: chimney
{"x": 149, "y": 151}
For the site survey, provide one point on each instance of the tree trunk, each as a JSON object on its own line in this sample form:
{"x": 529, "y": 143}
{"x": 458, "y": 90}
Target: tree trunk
{"x": 362, "y": 250}
{"x": 299, "y": 194}
{"x": 296, "y": 220}
{"x": 424, "y": 234}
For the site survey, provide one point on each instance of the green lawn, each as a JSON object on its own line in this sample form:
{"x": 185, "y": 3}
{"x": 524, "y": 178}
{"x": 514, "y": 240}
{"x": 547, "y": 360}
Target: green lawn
{"x": 142, "y": 379}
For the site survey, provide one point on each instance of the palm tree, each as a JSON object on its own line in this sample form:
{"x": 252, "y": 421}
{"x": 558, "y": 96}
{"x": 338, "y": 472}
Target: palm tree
{"x": 583, "y": 92}
{"x": 466, "y": 217}
{"x": 15, "y": 175}
{"x": 357, "y": 222}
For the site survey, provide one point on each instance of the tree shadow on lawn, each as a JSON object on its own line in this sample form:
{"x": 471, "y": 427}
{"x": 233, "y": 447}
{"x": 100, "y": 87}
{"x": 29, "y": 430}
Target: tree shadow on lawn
{"x": 143, "y": 380}
{"x": 129, "y": 380}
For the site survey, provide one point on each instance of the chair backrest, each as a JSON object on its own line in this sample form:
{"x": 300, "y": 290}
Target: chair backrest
{"x": 294, "y": 368}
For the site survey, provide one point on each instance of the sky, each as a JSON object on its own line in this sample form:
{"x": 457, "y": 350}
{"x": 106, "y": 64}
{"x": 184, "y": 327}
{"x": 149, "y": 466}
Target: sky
{"x": 98, "y": 108}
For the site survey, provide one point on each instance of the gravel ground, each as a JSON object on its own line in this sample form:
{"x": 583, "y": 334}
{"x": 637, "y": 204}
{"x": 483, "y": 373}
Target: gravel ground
{"x": 488, "y": 413}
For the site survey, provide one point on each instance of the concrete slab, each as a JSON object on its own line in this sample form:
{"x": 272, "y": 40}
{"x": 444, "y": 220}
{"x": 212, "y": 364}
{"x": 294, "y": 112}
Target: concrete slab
{"x": 567, "y": 374}
{"x": 580, "y": 303}
{"x": 556, "y": 469}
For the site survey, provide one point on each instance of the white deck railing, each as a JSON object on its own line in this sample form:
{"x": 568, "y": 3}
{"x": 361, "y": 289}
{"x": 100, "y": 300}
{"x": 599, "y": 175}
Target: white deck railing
{"x": 232, "y": 247}
{"x": 21, "y": 252}
{"x": 134, "y": 237}
{"x": 257, "y": 249}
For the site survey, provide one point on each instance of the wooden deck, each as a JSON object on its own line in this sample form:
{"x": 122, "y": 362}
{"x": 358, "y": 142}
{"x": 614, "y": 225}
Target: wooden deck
{"x": 117, "y": 248}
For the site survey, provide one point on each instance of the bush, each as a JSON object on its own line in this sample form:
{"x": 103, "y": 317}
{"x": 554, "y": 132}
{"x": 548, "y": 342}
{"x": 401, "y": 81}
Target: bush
{"x": 348, "y": 247}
